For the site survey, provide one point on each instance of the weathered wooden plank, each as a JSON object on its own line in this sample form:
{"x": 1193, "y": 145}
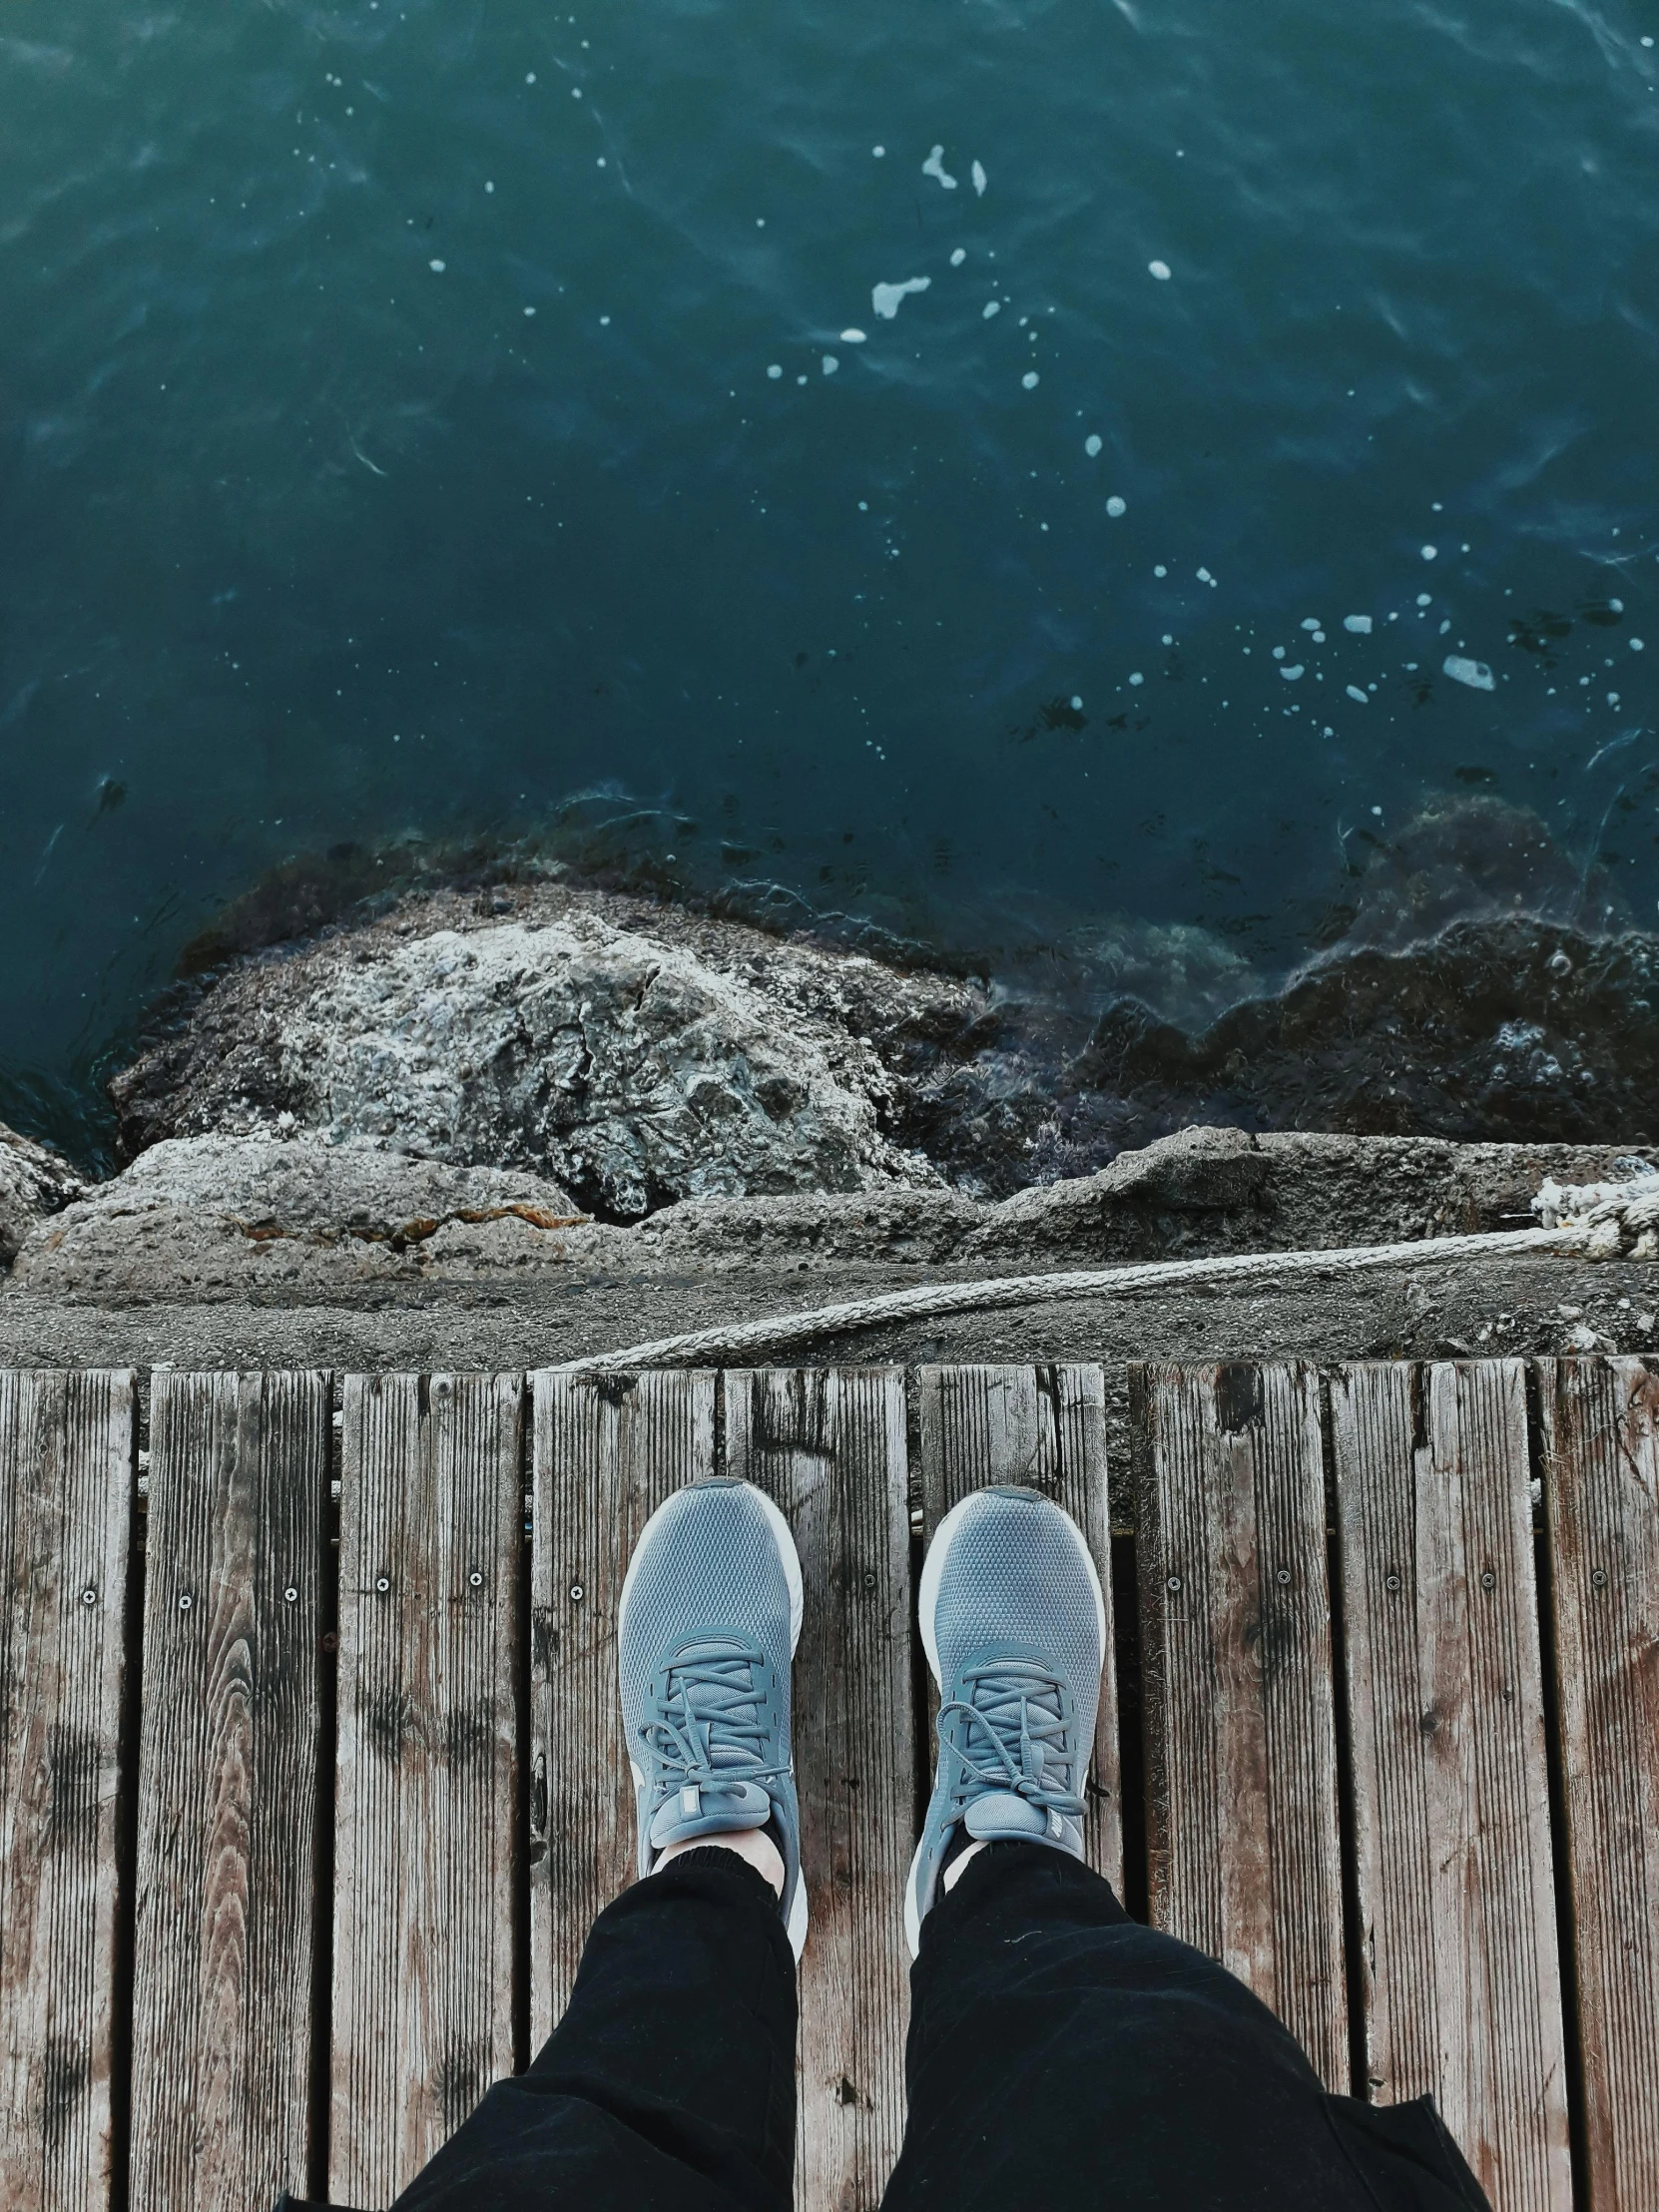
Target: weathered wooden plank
{"x": 229, "y": 1752}
{"x": 431, "y": 1509}
{"x": 66, "y": 1474}
{"x": 1243, "y": 1846}
{"x": 1457, "y": 1937}
{"x": 608, "y": 1451}
{"x": 1046, "y": 1427}
{"x": 1601, "y": 1487}
{"x": 829, "y": 1447}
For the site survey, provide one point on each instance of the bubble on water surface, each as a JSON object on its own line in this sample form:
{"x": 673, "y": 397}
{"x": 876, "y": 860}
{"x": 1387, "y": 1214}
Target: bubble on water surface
{"x": 775, "y": 369}
{"x": 1029, "y": 379}
{"x": 1430, "y": 552}
{"x": 959, "y": 256}
{"x": 886, "y": 299}
{"x": 1160, "y": 269}
{"x": 1358, "y": 696}
{"x": 991, "y": 307}
{"x": 1092, "y": 445}
{"x": 1117, "y": 505}
{"x": 1359, "y": 624}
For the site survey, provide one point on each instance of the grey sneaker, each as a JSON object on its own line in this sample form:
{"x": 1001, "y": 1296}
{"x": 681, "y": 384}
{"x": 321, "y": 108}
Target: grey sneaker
{"x": 1014, "y": 1626}
{"x": 707, "y": 1627}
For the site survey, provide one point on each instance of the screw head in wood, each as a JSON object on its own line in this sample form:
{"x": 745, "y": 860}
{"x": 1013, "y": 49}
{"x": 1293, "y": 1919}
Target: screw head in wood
{"x": 476, "y": 1580}
{"x": 577, "y": 1593}
{"x": 1488, "y": 1580}
{"x": 870, "y": 1582}
{"x": 383, "y": 1582}
{"x": 1390, "y": 1582}
{"x": 290, "y": 1595}
{"x": 185, "y": 1601}
{"x": 1173, "y": 1583}
{"x": 1284, "y": 1576}
{"x": 1598, "y": 1576}
{"x": 89, "y": 1596}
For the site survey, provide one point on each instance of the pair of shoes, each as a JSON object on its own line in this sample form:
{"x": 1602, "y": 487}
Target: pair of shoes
{"x": 1014, "y": 1626}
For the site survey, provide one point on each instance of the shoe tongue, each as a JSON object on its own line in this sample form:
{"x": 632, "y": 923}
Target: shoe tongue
{"x": 721, "y": 1810}
{"x": 1001, "y": 1816}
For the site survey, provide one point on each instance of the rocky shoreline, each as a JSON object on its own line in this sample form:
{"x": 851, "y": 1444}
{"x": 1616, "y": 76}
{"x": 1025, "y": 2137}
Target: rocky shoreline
{"x": 544, "y": 1091}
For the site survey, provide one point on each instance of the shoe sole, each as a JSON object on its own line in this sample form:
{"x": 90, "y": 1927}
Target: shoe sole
{"x": 927, "y": 1605}
{"x": 790, "y": 1561}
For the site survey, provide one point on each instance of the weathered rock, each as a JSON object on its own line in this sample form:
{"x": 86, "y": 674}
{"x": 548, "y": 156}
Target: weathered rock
{"x": 33, "y": 1184}
{"x": 214, "y": 1216}
{"x": 268, "y": 1221}
{"x": 637, "y": 1055}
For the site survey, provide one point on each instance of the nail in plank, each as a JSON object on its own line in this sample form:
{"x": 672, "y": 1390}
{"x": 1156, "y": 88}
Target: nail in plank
{"x": 66, "y": 1474}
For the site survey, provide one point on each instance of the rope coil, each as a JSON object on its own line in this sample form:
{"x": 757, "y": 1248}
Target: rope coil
{"x": 1595, "y": 1220}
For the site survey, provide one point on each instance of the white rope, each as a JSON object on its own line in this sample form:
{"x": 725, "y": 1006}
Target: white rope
{"x": 1599, "y": 1221}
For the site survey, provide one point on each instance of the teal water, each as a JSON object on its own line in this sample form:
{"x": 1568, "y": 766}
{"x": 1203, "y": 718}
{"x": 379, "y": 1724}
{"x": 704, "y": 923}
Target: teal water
{"x": 418, "y": 416}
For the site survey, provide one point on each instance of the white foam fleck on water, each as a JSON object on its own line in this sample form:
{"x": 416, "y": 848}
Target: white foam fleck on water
{"x": 880, "y": 151}
{"x": 959, "y": 256}
{"x": 933, "y": 166}
{"x": 1160, "y": 570}
{"x": 1636, "y": 645}
{"x": 1476, "y": 673}
{"x": 1204, "y": 577}
{"x": 979, "y": 179}
{"x": 437, "y": 268}
{"x": 1425, "y": 599}
{"x": 1359, "y": 624}
{"x": 991, "y": 307}
{"x": 1030, "y": 380}
{"x": 1117, "y": 505}
{"x": 1168, "y": 639}
{"x": 529, "y": 311}
{"x": 1309, "y": 622}
{"x": 1358, "y": 696}
{"x": 1430, "y": 552}
{"x": 1278, "y": 652}
{"x": 1291, "y": 674}
{"x": 1076, "y": 704}
{"x": 530, "y": 78}
{"x": 853, "y": 337}
{"x": 488, "y": 187}
{"x": 831, "y": 364}
{"x": 1137, "y": 678}
{"x": 1092, "y": 445}
{"x": 886, "y": 299}
{"x": 1160, "y": 269}
{"x": 775, "y": 369}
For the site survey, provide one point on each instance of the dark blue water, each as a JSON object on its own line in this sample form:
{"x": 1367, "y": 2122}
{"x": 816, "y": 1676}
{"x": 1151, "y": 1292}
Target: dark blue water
{"x": 413, "y": 417}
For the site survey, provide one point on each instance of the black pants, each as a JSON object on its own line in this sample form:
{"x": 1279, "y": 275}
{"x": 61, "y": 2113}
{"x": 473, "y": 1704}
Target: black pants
{"x": 1059, "y": 2053}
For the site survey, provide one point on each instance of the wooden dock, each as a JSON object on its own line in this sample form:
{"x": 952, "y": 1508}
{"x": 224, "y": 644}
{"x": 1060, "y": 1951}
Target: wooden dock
{"x": 311, "y": 1780}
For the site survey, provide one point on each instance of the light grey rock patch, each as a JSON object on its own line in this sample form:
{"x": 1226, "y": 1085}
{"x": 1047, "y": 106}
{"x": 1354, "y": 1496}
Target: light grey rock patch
{"x": 35, "y": 1183}
{"x": 217, "y": 1217}
{"x": 637, "y": 1057}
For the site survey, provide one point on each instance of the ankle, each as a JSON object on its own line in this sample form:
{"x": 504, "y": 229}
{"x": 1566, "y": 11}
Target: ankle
{"x": 753, "y": 1844}
{"x": 964, "y": 1857}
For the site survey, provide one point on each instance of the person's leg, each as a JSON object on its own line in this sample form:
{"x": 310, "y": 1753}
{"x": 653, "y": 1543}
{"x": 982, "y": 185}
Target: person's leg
{"x": 669, "y": 2084}
{"x": 1054, "y": 2042}
{"x": 670, "y": 2081}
